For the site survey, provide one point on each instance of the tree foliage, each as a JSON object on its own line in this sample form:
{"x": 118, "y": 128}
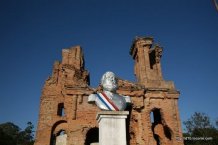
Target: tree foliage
{"x": 200, "y": 130}
{"x": 11, "y": 134}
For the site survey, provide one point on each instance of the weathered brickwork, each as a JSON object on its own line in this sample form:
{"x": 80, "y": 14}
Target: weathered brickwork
{"x": 154, "y": 115}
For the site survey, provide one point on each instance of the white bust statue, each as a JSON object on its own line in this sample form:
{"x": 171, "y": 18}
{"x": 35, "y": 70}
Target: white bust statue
{"x": 109, "y": 99}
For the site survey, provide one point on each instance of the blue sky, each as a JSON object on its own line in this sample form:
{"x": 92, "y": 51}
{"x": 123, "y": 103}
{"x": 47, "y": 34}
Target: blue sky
{"x": 33, "y": 33}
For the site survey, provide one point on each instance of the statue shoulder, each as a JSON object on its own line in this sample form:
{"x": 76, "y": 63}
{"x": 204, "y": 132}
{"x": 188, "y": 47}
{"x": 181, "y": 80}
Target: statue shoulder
{"x": 92, "y": 98}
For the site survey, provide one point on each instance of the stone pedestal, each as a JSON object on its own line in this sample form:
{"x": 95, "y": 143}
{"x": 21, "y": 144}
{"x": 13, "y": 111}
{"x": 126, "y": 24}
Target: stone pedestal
{"x": 112, "y": 127}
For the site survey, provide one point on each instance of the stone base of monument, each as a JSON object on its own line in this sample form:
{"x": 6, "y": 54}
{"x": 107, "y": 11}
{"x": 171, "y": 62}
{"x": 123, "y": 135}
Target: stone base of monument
{"x": 112, "y": 127}
{"x": 94, "y": 143}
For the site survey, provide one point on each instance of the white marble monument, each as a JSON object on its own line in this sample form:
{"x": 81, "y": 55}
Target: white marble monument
{"x": 112, "y": 118}
{"x": 112, "y": 127}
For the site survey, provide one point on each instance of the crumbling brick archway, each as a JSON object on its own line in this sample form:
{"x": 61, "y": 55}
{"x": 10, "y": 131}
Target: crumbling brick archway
{"x": 162, "y": 133}
{"x": 59, "y": 128}
{"x": 92, "y": 136}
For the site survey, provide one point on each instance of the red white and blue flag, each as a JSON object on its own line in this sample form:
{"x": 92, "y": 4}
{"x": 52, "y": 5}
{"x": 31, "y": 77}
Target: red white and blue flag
{"x": 107, "y": 102}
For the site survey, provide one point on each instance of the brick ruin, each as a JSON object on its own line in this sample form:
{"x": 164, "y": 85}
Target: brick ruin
{"x": 66, "y": 115}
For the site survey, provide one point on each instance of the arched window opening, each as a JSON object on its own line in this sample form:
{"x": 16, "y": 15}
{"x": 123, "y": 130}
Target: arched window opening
{"x": 152, "y": 59}
{"x": 160, "y": 131}
{"x": 92, "y": 136}
{"x": 60, "y": 111}
{"x": 58, "y": 133}
{"x": 155, "y": 118}
{"x": 59, "y": 138}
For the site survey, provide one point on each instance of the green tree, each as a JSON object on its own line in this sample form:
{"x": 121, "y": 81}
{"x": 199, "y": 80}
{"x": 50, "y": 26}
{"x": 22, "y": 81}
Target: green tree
{"x": 200, "y": 130}
{"x": 11, "y": 134}
{"x": 26, "y": 136}
{"x": 217, "y": 123}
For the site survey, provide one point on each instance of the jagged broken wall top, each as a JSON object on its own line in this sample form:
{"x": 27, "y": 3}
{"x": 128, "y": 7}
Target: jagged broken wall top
{"x": 70, "y": 72}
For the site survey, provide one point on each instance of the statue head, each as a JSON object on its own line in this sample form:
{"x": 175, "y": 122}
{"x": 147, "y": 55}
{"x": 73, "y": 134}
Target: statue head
{"x": 109, "y": 82}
